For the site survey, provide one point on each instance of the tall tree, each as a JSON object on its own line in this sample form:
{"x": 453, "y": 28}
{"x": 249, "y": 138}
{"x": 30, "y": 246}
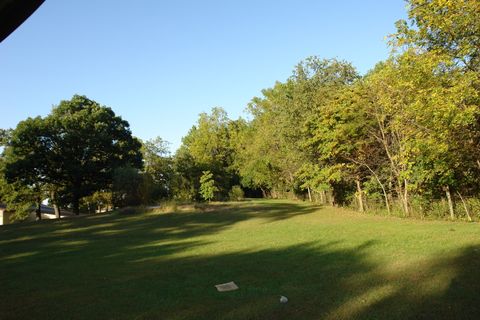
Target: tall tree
{"x": 158, "y": 166}
{"x": 76, "y": 148}
{"x": 208, "y": 147}
{"x": 24, "y": 166}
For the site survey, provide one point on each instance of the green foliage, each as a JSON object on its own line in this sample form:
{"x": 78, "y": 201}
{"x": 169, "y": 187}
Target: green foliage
{"x": 127, "y": 187}
{"x": 158, "y": 168}
{"x": 207, "y": 186}
{"x": 156, "y": 156}
{"x": 74, "y": 150}
{"x": 5, "y": 135}
{"x": 236, "y": 193}
{"x": 402, "y": 138}
{"x": 281, "y": 149}
{"x": 18, "y": 199}
{"x": 186, "y": 175}
{"x": 447, "y": 27}
{"x": 99, "y": 201}
{"x": 406, "y": 133}
{"x": 208, "y": 146}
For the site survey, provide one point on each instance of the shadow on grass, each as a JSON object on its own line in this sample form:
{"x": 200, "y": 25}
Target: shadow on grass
{"x": 159, "y": 226}
{"x": 133, "y": 268}
{"x": 320, "y": 280}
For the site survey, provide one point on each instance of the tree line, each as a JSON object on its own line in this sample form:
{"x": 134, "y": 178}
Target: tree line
{"x": 401, "y": 139}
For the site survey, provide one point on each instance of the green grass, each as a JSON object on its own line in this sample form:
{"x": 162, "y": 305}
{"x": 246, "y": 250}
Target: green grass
{"x": 330, "y": 263}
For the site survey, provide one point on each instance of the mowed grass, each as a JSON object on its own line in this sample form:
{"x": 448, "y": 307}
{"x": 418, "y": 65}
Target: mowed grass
{"x": 330, "y": 263}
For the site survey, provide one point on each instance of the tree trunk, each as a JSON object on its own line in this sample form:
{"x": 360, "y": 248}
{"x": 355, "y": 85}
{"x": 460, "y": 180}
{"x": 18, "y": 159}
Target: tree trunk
{"x": 359, "y": 196}
{"x": 387, "y": 204}
{"x": 38, "y": 211}
{"x": 399, "y": 191}
{"x": 57, "y": 211}
{"x": 322, "y": 197}
{"x": 331, "y": 198}
{"x": 405, "y": 198}
{"x": 385, "y": 195}
{"x": 309, "y": 194}
{"x": 264, "y": 195}
{"x": 450, "y": 202}
{"x": 465, "y": 207}
{"x": 77, "y": 186}
{"x": 402, "y": 194}
{"x": 76, "y": 205}
{"x": 55, "y": 206}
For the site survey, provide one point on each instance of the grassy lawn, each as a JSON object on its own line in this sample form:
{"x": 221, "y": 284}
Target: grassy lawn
{"x": 330, "y": 263}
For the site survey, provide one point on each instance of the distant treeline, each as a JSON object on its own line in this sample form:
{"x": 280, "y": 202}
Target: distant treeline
{"x": 403, "y": 139}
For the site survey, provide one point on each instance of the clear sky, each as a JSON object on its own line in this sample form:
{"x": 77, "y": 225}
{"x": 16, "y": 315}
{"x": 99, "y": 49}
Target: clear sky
{"x": 159, "y": 64}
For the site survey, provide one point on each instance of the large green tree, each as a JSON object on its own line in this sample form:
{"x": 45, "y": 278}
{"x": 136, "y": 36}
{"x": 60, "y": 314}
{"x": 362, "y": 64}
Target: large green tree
{"x": 74, "y": 150}
{"x": 208, "y": 146}
{"x": 281, "y": 148}
{"x": 23, "y": 167}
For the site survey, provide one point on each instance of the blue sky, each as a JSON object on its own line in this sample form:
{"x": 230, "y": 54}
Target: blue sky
{"x": 159, "y": 64}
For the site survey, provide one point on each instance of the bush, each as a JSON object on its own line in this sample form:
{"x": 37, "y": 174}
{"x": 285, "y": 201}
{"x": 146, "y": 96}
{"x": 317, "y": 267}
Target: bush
{"x": 207, "y": 186}
{"x": 236, "y": 194}
{"x": 169, "y": 206}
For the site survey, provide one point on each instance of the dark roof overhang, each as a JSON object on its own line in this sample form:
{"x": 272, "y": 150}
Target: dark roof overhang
{"x": 13, "y": 13}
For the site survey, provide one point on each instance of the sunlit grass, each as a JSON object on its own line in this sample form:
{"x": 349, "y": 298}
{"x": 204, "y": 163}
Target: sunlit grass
{"x": 331, "y": 263}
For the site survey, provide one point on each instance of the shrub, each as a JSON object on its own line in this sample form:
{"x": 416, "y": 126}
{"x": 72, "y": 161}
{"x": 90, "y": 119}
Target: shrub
{"x": 236, "y": 194}
{"x": 169, "y": 206}
{"x": 207, "y": 186}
